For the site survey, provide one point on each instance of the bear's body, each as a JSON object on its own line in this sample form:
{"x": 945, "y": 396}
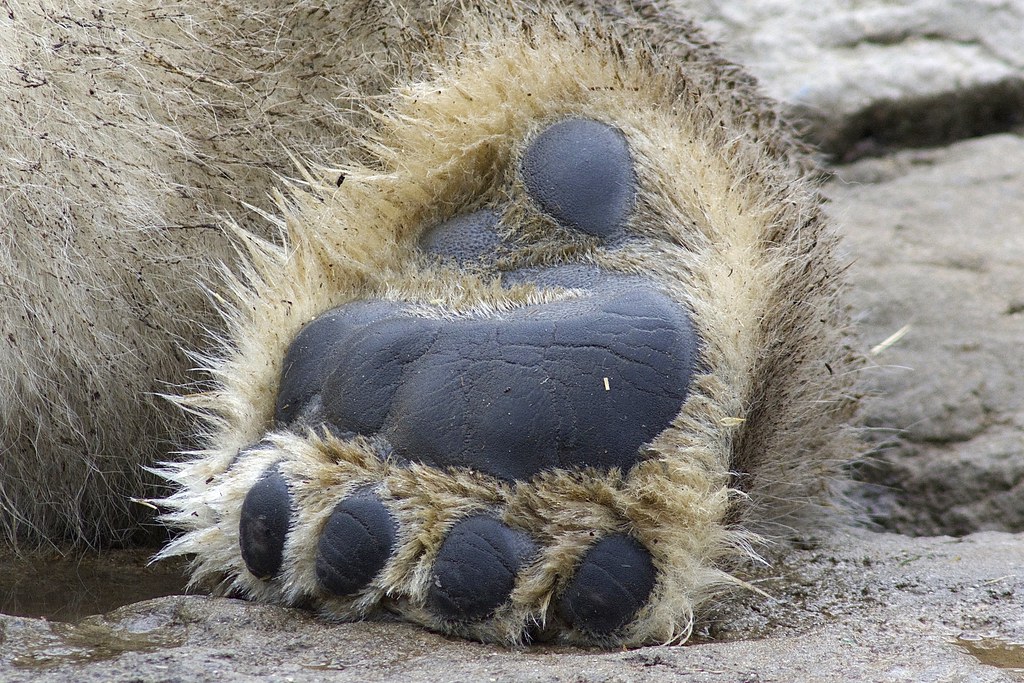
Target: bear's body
{"x": 554, "y": 340}
{"x": 127, "y": 131}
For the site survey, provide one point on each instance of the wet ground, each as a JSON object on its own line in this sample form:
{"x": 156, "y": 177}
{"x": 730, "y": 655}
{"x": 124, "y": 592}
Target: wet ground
{"x": 853, "y": 606}
{"x": 69, "y": 587}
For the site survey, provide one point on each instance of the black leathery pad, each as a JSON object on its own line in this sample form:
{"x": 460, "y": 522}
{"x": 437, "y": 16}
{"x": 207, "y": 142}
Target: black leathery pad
{"x": 612, "y": 583}
{"x": 580, "y": 172}
{"x": 573, "y": 383}
{"x": 476, "y": 568}
{"x": 263, "y": 526}
{"x": 465, "y": 238}
{"x": 576, "y": 383}
{"x": 359, "y": 391}
{"x": 354, "y": 338}
{"x": 355, "y": 544}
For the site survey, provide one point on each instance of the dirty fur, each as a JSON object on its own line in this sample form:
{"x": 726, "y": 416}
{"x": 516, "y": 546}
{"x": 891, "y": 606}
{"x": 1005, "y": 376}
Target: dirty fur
{"x": 401, "y": 123}
{"x": 128, "y": 131}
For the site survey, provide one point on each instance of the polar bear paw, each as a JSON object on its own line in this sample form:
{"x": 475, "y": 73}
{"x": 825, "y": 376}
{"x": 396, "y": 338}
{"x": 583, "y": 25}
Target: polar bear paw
{"x": 501, "y": 379}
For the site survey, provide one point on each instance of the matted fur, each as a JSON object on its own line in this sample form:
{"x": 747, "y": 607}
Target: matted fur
{"x": 729, "y": 227}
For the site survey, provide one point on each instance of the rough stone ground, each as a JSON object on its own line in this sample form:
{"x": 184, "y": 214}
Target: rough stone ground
{"x": 937, "y": 239}
{"x": 868, "y": 75}
{"x": 862, "y": 607}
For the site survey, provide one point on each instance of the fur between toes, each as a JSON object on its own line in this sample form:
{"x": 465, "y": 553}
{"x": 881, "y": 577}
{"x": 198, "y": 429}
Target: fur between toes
{"x": 720, "y": 216}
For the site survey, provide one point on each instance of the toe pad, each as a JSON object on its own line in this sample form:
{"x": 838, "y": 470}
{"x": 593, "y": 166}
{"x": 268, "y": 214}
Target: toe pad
{"x": 612, "y": 583}
{"x": 266, "y": 515}
{"x": 355, "y": 544}
{"x": 476, "y": 568}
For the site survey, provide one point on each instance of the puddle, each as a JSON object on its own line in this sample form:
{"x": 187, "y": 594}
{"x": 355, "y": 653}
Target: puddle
{"x": 995, "y": 651}
{"x": 67, "y": 588}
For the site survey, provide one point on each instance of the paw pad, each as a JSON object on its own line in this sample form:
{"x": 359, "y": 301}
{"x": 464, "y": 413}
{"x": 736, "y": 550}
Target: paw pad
{"x": 504, "y": 382}
{"x": 355, "y": 544}
{"x": 467, "y": 238}
{"x": 509, "y": 396}
{"x": 476, "y": 568}
{"x": 581, "y": 173}
{"x": 266, "y": 514}
{"x": 611, "y": 585}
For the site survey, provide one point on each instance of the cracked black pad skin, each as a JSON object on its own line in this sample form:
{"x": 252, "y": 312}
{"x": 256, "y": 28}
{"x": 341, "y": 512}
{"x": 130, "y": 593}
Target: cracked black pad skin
{"x": 354, "y": 341}
{"x": 612, "y": 583}
{"x": 574, "y": 383}
{"x": 265, "y": 517}
{"x": 581, "y": 173}
{"x": 476, "y": 568}
{"x": 355, "y": 544}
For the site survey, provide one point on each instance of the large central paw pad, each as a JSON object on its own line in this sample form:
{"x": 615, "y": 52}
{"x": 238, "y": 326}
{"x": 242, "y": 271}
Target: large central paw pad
{"x": 505, "y": 379}
{"x": 582, "y": 382}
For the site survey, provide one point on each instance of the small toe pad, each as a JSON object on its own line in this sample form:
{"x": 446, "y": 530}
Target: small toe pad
{"x": 355, "y": 544}
{"x": 476, "y": 568}
{"x": 266, "y": 515}
{"x": 611, "y": 584}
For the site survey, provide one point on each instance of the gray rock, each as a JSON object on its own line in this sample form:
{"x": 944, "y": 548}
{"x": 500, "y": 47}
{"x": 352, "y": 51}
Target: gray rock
{"x": 938, "y": 243}
{"x": 863, "y": 607}
{"x": 875, "y": 74}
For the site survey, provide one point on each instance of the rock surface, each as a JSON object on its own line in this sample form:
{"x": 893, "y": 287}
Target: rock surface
{"x": 938, "y": 242}
{"x": 863, "y": 607}
{"x": 874, "y": 74}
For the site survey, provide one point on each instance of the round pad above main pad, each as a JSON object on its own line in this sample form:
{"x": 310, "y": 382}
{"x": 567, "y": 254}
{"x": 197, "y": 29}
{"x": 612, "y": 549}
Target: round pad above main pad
{"x": 574, "y": 383}
{"x": 476, "y": 568}
{"x": 470, "y": 237}
{"x": 581, "y": 173}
